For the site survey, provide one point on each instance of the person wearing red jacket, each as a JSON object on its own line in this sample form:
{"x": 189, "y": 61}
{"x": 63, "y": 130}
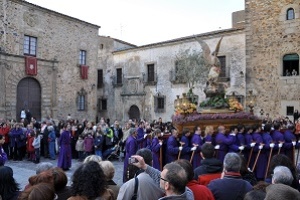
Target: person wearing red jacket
{"x": 4, "y": 130}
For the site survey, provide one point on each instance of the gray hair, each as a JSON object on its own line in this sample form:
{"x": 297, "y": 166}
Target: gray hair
{"x": 132, "y": 131}
{"x": 43, "y": 166}
{"x": 232, "y": 162}
{"x": 282, "y": 175}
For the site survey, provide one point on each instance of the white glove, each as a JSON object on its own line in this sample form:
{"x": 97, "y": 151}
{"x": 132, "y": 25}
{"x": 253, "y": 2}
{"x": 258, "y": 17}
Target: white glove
{"x": 294, "y": 143}
{"x": 260, "y": 147}
{"x": 193, "y": 149}
{"x": 272, "y": 145}
{"x": 241, "y": 148}
{"x": 217, "y": 146}
{"x": 145, "y": 136}
{"x": 280, "y": 145}
{"x": 298, "y": 141}
{"x": 160, "y": 143}
{"x": 180, "y": 148}
{"x": 252, "y": 144}
{"x": 232, "y": 134}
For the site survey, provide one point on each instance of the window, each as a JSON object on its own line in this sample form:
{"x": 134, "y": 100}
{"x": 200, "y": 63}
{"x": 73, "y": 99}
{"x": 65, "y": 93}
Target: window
{"x": 222, "y": 60}
{"x": 290, "y": 65}
{"x": 178, "y": 75}
{"x": 151, "y": 73}
{"x": 290, "y": 110}
{"x": 101, "y": 46}
{"x": 81, "y": 100}
{"x": 82, "y": 57}
{"x": 160, "y": 103}
{"x": 102, "y": 104}
{"x": 290, "y": 14}
{"x": 30, "y": 45}
{"x": 119, "y": 76}
{"x": 100, "y": 78}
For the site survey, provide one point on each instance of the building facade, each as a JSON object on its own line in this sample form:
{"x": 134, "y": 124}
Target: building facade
{"x": 48, "y": 63}
{"x": 55, "y": 65}
{"x": 272, "y": 55}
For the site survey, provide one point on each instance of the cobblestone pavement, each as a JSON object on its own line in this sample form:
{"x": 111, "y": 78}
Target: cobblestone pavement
{"x": 24, "y": 169}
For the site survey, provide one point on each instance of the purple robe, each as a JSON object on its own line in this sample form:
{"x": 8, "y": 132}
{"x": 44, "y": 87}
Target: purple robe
{"x": 277, "y": 138}
{"x": 264, "y": 156}
{"x": 196, "y": 139}
{"x": 257, "y": 138}
{"x": 131, "y": 148}
{"x": 224, "y": 141}
{"x": 248, "y": 141}
{"x": 65, "y": 153}
{"x": 155, "y": 148}
{"x": 142, "y": 142}
{"x": 186, "y": 148}
{"x": 289, "y": 137}
{"x": 172, "y": 149}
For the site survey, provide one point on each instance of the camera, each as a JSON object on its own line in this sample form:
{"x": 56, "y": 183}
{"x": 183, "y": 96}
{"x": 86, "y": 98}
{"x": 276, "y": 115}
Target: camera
{"x": 132, "y": 160}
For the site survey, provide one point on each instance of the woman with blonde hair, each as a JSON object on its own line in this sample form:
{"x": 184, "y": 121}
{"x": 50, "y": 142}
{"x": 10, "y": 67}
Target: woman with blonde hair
{"x": 109, "y": 172}
{"x": 209, "y": 130}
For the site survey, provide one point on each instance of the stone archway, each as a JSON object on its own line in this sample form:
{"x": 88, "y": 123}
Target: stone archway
{"x": 29, "y": 97}
{"x": 134, "y": 113}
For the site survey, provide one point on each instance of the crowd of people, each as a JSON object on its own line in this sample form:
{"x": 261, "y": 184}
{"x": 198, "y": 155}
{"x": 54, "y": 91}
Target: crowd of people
{"x": 244, "y": 162}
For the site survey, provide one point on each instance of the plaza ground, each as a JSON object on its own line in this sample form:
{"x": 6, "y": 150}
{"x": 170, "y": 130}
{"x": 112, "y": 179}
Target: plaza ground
{"x": 24, "y": 169}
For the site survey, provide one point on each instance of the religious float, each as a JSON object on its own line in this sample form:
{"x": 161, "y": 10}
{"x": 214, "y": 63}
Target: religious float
{"x": 216, "y": 109}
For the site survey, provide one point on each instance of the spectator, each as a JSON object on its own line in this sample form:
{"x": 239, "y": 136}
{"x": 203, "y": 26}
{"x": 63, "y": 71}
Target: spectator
{"x": 9, "y": 189}
{"x": 80, "y": 148}
{"x": 200, "y": 192}
{"x": 60, "y": 181}
{"x": 282, "y": 175}
{"x": 95, "y": 158}
{"x": 171, "y": 179}
{"x": 3, "y": 155}
{"x": 247, "y": 175}
{"x": 147, "y": 189}
{"x": 43, "y": 166}
{"x": 109, "y": 172}
{"x": 209, "y": 164}
{"x": 280, "y": 192}
{"x": 283, "y": 160}
{"x": 255, "y": 195}
{"x": 43, "y": 191}
{"x": 87, "y": 185}
{"x": 231, "y": 186}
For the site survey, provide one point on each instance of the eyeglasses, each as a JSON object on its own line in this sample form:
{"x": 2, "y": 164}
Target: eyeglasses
{"x": 164, "y": 179}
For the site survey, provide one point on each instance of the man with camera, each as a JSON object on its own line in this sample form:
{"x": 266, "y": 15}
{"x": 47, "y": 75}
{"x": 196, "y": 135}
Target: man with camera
{"x": 172, "y": 180}
{"x": 141, "y": 185}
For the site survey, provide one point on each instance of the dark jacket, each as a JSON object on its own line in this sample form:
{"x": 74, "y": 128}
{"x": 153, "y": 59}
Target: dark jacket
{"x": 232, "y": 186}
{"x": 208, "y": 166}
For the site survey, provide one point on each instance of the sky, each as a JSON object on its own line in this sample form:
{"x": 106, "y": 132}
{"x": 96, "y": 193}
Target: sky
{"x": 143, "y": 22}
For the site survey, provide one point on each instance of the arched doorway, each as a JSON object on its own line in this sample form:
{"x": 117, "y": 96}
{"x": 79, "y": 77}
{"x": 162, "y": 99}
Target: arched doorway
{"x": 29, "y": 97}
{"x": 134, "y": 113}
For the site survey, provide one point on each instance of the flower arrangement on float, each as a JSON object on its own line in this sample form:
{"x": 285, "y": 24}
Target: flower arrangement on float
{"x": 183, "y": 106}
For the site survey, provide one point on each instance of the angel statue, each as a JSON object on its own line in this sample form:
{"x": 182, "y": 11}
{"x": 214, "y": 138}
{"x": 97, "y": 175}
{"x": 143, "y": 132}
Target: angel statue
{"x": 213, "y": 86}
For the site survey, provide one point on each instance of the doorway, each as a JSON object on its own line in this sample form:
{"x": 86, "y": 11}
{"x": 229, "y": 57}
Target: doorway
{"x": 29, "y": 97}
{"x": 134, "y": 113}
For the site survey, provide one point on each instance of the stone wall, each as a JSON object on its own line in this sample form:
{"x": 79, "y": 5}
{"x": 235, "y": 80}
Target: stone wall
{"x": 163, "y": 55}
{"x": 269, "y": 36}
{"x": 59, "y": 40}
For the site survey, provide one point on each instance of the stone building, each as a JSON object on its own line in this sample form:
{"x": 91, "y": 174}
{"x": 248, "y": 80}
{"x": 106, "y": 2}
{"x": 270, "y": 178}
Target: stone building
{"x": 272, "y": 54}
{"x": 55, "y": 65}
{"x": 140, "y": 81}
{"x": 44, "y": 59}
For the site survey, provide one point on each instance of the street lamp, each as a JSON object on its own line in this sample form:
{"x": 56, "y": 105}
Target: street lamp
{"x": 251, "y": 101}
